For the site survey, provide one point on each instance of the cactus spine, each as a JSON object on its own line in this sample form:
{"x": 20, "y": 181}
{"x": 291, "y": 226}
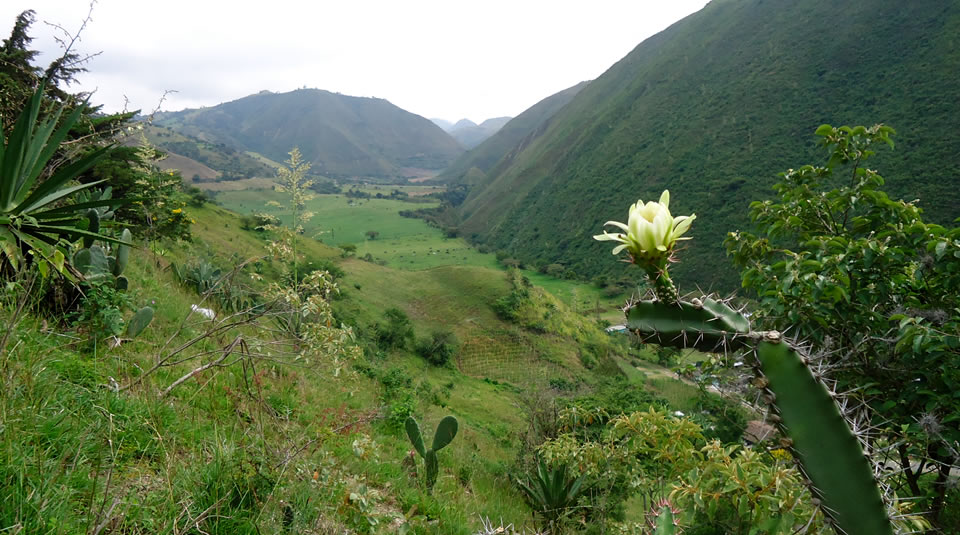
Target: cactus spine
{"x": 446, "y": 431}
{"x": 664, "y": 522}
{"x": 828, "y": 452}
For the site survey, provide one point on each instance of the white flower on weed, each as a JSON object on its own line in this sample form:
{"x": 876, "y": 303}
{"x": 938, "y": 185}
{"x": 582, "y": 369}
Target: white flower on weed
{"x": 650, "y": 232}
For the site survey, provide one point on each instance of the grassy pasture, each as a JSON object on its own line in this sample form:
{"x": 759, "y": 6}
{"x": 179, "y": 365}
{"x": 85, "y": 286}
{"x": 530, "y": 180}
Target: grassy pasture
{"x": 409, "y": 244}
{"x": 403, "y": 243}
{"x": 413, "y": 190}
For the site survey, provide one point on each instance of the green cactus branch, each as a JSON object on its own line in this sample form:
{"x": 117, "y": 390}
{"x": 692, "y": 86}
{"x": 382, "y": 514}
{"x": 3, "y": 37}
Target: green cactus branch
{"x": 829, "y": 454}
{"x": 446, "y": 431}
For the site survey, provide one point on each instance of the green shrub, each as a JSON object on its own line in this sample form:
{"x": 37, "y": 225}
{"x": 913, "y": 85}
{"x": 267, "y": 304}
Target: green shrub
{"x": 720, "y": 418}
{"x": 395, "y": 332}
{"x": 439, "y": 348}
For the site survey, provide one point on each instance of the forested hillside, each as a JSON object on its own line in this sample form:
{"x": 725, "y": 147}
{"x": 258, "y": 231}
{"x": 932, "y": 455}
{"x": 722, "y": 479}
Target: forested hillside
{"x": 712, "y": 108}
{"x": 341, "y": 136}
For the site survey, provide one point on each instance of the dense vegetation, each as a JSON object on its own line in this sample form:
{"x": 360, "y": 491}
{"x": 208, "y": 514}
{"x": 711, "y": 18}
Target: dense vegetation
{"x": 341, "y": 136}
{"x": 169, "y": 366}
{"x": 711, "y": 106}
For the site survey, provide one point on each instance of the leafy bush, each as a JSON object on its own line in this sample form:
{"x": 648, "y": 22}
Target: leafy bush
{"x": 395, "y": 332}
{"x": 101, "y": 311}
{"x": 439, "y": 348}
{"x": 873, "y": 288}
{"x": 723, "y": 419}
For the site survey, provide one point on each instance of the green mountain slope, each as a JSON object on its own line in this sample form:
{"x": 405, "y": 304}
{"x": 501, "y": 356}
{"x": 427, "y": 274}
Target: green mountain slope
{"x": 341, "y": 136}
{"x": 472, "y": 167}
{"x": 713, "y": 108}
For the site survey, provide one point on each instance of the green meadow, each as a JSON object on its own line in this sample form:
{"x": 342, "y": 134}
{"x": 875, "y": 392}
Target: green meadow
{"x": 406, "y": 243}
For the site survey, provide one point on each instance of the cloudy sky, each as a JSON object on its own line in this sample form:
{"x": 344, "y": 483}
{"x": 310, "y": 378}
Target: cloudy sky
{"x": 436, "y": 58}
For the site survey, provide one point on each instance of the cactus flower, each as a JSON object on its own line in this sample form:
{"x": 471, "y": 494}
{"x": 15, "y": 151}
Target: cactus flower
{"x": 650, "y": 232}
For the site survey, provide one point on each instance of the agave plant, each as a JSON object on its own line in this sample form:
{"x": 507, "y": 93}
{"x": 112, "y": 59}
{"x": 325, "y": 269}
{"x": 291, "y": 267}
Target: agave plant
{"x": 33, "y": 216}
{"x": 551, "y": 493}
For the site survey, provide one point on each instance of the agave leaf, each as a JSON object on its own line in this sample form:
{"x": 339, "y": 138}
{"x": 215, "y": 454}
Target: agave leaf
{"x": 52, "y": 189}
{"x": 8, "y": 247}
{"x": 16, "y": 149}
{"x": 85, "y": 205}
{"x": 50, "y": 143}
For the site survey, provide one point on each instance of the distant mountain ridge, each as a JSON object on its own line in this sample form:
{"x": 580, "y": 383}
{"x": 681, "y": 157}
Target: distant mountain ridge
{"x": 341, "y": 136}
{"x": 713, "y": 108}
{"x": 470, "y": 134}
{"x": 472, "y": 167}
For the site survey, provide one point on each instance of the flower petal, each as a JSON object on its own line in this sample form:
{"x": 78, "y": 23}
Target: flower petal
{"x": 606, "y": 236}
{"x": 681, "y": 224}
{"x": 665, "y": 198}
{"x": 646, "y": 235}
{"x": 662, "y": 225}
{"x": 649, "y": 211}
{"x": 617, "y": 249}
{"x": 617, "y": 224}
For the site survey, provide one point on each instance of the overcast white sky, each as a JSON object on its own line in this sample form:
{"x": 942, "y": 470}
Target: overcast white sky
{"x": 437, "y": 58}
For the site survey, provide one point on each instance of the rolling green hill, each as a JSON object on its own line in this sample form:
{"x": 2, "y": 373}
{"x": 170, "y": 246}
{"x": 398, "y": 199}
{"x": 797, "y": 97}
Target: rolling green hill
{"x": 341, "y": 136}
{"x": 713, "y": 108}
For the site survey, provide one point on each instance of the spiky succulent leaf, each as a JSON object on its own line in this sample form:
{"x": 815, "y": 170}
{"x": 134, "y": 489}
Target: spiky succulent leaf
{"x": 26, "y": 202}
{"x": 446, "y": 431}
{"x": 416, "y": 438}
{"x": 551, "y": 492}
{"x": 829, "y": 453}
{"x": 706, "y": 324}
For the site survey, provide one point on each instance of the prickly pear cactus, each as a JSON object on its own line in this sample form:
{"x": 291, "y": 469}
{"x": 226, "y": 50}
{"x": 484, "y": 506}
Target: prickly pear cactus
{"x": 445, "y": 433}
{"x": 123, "y": 253}
{"x": 93, "y": 226}
{"x": 99, "y": 268}
{"x": 139, "y": 321}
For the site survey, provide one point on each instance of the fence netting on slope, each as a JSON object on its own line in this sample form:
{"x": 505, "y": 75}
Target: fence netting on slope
{"x": 507, "y": 359}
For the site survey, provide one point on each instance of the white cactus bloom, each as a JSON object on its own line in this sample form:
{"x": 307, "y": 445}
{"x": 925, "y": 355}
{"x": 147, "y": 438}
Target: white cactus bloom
{"x": 650, "y": 231}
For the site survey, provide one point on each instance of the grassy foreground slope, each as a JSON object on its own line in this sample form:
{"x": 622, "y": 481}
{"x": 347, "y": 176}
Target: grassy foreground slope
{"x": 264, "y": 446}
{"x": 713, "y": 107}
